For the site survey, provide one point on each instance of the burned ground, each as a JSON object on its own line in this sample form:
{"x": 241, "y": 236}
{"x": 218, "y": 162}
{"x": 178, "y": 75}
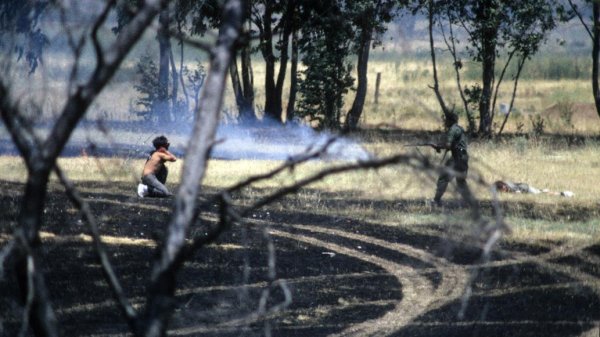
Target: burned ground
{"x": 347, "y": 277}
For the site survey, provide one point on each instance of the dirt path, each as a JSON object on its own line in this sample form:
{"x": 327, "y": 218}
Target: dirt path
{"x": 348, "y": 277}
{"x": 419, "y": 294}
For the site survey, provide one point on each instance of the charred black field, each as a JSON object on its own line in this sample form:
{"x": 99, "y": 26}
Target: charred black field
{"x": 308, "y": 146}
{"x": 332, "y": 275}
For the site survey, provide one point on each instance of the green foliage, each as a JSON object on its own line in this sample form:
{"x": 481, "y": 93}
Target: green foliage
{"x": 325, "y": 82}
{"x": 473, "y": 95}
{"x": 148, "y": 87}
{"x": 19, "y": 30}
{"x": 514, "y": 25}
{"x": 326, "y": 47}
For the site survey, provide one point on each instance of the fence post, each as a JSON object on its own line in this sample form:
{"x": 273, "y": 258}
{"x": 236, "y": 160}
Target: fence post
{"x": 377, "y": 83}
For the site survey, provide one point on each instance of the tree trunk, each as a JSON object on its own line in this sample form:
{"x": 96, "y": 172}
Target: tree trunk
{"x": 361, "y": 90}
{"x": 272, "y": 108}
{"x": 159, "y": 308}
{"x": 246, "y": 113}
{"x": 436, "y": 85}
{"x": 248, "y": 82}
{"x": 595, "y": 52}
{"x": 485, "y": 122}
{"x": 488, "y": 55}
{"x": 288, "y": 19}
{"x": 163, "y": 70}
{"x": 290, "y": 113}
{"x": 29, "y": 273}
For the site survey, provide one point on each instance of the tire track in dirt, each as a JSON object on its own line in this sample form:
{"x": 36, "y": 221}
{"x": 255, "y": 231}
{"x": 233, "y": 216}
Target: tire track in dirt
{"x": 548, "y": 260}
{"x": 419, "y": 294}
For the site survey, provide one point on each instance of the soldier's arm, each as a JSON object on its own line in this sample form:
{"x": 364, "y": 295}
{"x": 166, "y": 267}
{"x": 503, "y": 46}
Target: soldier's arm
{"x": 447, "y": 145}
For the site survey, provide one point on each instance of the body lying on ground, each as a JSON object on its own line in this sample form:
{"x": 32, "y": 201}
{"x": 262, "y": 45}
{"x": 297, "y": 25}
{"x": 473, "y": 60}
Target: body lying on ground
{"x": 510, "y": 187}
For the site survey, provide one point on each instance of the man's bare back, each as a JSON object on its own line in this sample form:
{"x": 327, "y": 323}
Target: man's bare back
{"x": 157, "y": 160}
{"x": 154, "y": 175}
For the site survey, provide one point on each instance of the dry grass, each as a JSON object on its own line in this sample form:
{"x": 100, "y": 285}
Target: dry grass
{"x": 407, "y": 102}
{"x": 405, "y": 99}
{"x": 544, "y": 166}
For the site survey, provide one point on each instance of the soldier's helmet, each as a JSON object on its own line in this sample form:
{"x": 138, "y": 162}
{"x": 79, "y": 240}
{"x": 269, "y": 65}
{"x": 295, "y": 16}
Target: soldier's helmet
{"x": 450, "y": 118}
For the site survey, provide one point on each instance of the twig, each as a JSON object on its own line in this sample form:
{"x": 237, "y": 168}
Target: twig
{"x": 287, "y": 165}
{"x": 370, "y": 164}
{"x": 30, "y": 295}
{"x": 107, "y": 268}
{"x": 585, "y": 25}
{"x": 99, "y": 22}
{"x": 189, "y": 41}
{"x": 497, "y": 88}
{"x": 514, "y": 93}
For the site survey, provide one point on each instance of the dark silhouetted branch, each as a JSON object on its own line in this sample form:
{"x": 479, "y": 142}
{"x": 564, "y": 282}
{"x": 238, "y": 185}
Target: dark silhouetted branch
{"x": 107, "y": 268}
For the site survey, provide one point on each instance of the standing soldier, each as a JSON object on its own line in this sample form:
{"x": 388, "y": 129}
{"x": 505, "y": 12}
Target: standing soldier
{"x": 458, "y": 165}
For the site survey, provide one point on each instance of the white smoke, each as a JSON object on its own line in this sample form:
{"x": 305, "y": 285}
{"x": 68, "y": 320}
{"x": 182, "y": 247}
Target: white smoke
{"x": 262, "y": 140}
{"x": 267, "y": 141}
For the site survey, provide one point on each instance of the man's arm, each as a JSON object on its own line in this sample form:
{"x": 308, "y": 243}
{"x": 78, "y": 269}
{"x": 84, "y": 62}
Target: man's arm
{"x": 166, "y": 155}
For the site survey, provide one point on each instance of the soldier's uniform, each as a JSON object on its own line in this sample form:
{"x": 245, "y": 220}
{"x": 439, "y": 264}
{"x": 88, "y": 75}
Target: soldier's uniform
{"x": 459, "y": 162}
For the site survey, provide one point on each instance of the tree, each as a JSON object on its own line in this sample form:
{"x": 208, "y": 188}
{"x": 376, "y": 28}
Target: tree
{"x": 493, "y": 27}
{"x": 19, "y": 32}
{"x": 40, "y": 155}
{"x": 274, "y": 20}
{"x": 325, "y": 49}
{"x": 164, "y": 104}
{"x": 593, "y": 30}
{"x": 200, "y": 18}
{"x": 370, "y": 19}
{"x": 244, "y": 88}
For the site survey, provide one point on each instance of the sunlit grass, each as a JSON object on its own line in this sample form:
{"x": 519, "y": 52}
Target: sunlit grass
{"x": 375, "y": 195}
{"x": 405, "y": 98}
{"x": 405, "y": 101}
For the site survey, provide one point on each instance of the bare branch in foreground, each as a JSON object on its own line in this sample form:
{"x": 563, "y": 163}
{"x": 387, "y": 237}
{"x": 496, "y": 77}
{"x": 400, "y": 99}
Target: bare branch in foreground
{"x": 159, "y": 306}
{"x": 40, "y": 158}
{"x": 30, "y": 296}
{"x": 289, "y": 164}
{"x": 107, "y": 268}
{"x": 368, "y": 164}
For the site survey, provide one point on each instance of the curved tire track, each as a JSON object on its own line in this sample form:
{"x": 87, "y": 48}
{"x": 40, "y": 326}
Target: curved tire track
{"x": 419, "y": 294}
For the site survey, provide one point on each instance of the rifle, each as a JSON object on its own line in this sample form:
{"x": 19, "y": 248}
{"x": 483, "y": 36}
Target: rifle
{"x": 433, "y": 145}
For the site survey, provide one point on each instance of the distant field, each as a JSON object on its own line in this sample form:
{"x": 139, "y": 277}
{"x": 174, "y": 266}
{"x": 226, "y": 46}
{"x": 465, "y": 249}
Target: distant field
{"x": 363, "y": 253}
{"x": 554, "y": 86}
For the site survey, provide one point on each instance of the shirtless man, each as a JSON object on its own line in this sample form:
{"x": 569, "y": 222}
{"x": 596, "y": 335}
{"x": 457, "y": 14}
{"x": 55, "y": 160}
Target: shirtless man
{"x": 155, "y": 172}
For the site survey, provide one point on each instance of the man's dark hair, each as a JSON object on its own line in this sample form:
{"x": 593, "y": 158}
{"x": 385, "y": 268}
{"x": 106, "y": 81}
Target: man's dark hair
{"x": 160, "y": 141}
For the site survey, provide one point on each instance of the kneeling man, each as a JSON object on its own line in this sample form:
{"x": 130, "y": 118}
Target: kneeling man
{"x": 155, "y": 172}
